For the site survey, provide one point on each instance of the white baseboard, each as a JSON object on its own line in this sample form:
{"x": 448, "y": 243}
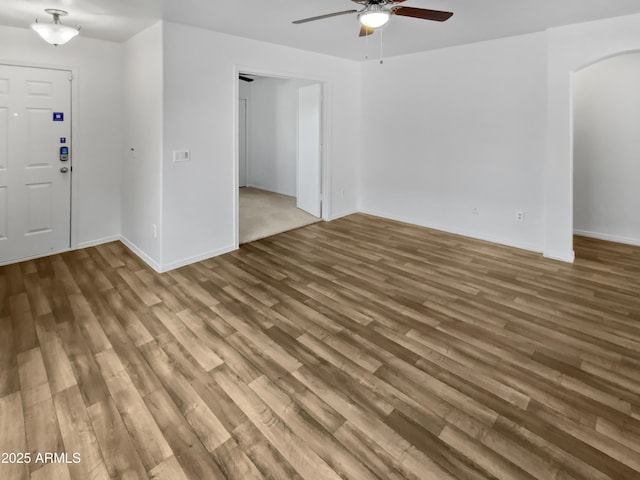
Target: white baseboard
{"x": 170, "y": 266}
{"x": 609, "y": 238}
{"x": 456, "y": 231}
{"x": 140, "y": 253}
{"x": 99, "y": 241}
{"x": 272, "y": 190}
{"x": 345, "y": 213}
{"x": 568, "y": 257}
{"x": 197, "y": 258}
{"x": 33, "y": 257}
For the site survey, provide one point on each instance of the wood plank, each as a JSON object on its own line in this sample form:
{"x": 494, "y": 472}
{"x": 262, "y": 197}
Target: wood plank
{"x": 24, "y": 329}
{"x": 305, "y": 461}
{"x": 52, "y": 471}
{"x": 13, "y": 439}
{"x": 303, "y": 425}
{"x": 85, "y": 369}
{"x": 404, "y": 453}
{"x": 206, "y": 358}
{"x": 9, "y": 380}
{"x": 78, "y": 436}
{"x": 211, "y": 432}
{"x": 41, "y": 423}
{"x": 150, "y": 444}
{"x": 227, "y": 412}
{"x": 194, "y": 458}
{"x": 170, "y": 469}
{"x": 59, "y": 370}
{"x": 263, "y": 454}
{"x": 117, "y": 448}
{"x": 234, "y": 462}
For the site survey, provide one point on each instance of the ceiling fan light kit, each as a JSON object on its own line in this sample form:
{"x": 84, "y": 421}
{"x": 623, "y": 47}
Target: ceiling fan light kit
{"x": 55, "y": 33}
{"x": 374, "y": 16}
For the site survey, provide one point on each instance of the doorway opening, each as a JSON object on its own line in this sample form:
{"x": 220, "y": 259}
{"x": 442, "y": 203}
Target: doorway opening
{"x": 606, "y": 112}
{"x": 280, "y": 155}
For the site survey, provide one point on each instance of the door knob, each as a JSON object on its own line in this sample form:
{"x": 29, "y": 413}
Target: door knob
{"x": 64, "y": 169}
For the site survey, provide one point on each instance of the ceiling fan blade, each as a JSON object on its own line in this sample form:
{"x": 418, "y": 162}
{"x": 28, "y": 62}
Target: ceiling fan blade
{"x": 426, "y": 14}
{"x": 320, "y": 17}
{"x": 366, "y": 31}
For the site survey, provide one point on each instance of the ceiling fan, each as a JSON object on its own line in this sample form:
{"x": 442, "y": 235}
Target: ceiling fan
{"x": 377, "y": 13}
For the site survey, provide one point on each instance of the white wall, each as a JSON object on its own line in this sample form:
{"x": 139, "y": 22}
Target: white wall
{"x": 97, "y": 124}
{"x": 458, "y": 129}
{"x": 200, "y": 107}
{"x": 142, "y": 175}
{"x": 606, "y": 149}
{"x": 273, "y": 137}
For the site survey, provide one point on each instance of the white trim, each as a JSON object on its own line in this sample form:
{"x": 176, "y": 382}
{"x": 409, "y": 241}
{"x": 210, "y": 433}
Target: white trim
{"x": 272, "y": 190}
{"x": 235, "y": 201}
{"x": 247, "y": 157}
{"x": 143, "y": 256}
{"x": 33, "y": 257}
{"x": 98, "y": 241}
{"x": 456, "y": 231}
{"x": 76, "y": 199}
{"x": 177, "y": 264}
{"x": 344, "y": 214}
{"x": 326, "y": 205}
{"x": 197, "y": 258}
{"x": 561, "y": 256}
{"x": 609, "y": 238}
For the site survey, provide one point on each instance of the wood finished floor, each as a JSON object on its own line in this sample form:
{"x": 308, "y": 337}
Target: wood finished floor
{"x": 361, "y": 348}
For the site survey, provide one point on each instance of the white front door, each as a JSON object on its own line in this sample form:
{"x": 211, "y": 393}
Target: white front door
{"x": 309, "y": 149}
{"x": 35, "y": 183}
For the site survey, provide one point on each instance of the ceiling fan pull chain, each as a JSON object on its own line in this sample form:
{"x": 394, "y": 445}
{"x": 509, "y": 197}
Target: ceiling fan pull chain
{"x": 366, "y": 47}
{"x": 381, "y": 62}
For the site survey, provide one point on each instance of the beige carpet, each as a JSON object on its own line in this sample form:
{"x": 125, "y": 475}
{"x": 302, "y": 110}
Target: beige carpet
{"x": 263, "y": 214}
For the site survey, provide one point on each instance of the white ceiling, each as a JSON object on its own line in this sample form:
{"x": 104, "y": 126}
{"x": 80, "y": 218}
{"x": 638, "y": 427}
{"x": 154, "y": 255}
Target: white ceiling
{"x": 270, "y": 20}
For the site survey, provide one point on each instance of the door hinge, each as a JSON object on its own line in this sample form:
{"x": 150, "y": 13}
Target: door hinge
{"x": 70, "y": 77}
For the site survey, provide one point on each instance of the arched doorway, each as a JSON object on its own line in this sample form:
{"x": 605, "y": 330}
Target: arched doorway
{"x": 570, "y": 49}
{"x": 606, "y": 153}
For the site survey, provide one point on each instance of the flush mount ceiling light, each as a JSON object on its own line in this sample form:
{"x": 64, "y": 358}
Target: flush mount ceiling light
{"x": 55, "y": 33}
{"x": 374, "y": 16}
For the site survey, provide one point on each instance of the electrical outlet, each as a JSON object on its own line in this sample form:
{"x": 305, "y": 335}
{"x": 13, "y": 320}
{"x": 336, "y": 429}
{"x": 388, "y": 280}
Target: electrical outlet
{"x": 155, "y": 230}
{"x": 519, "y": 216}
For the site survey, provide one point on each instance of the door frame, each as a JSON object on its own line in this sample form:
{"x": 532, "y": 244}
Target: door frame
{"x": 74, "y": 200}
{"x": 298, "y": 147}
{"x": 246, "y": 141}
{"x": 325, "y": 139}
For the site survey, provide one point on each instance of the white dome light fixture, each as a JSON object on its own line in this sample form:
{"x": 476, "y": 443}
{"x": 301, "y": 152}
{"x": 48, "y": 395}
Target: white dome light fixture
{"x": 374, "y": 16}
{"x": 55, "y": 33}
